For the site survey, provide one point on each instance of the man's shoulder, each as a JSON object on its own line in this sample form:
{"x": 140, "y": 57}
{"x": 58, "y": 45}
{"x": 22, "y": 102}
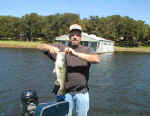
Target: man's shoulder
{"x": 87, "y": 49}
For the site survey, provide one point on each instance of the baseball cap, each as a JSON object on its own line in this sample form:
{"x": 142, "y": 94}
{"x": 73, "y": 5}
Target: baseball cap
{"x": 75, "y": 27}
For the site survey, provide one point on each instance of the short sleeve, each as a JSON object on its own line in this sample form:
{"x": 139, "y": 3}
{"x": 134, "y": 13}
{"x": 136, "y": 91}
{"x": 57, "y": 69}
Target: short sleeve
{"x": 90, "y": 50}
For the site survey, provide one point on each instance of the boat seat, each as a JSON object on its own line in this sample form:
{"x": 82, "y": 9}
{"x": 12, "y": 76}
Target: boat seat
{"x": 52, "y": 109}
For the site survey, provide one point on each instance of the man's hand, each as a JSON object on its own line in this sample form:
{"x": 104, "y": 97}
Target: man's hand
{"x": 54, "y": 50}
{"x": 70, "y": 51}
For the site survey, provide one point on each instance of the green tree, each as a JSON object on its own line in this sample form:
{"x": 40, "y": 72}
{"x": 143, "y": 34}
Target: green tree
{"x": 9, "y": 27}
{"x": 31, "y": 26}
{"x": 58, "y": 24}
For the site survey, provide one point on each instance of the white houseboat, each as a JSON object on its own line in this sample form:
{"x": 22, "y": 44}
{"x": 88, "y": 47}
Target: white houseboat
{"x": 100, "y": 45}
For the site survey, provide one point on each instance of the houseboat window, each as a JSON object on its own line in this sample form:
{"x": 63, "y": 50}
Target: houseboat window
{"x": 84, "y": 43}
{"x": 94, "y": 45}
{"x": 105, "y": 43}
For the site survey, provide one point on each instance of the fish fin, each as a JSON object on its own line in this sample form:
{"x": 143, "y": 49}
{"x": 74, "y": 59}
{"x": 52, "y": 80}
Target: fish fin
{"x": 55, "y": 89}
{"x": 54, "y": 70}
{"x": 57, "y": 83}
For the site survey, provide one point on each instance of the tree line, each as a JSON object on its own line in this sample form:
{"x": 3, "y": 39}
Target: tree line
{"x": 125, "y": 31}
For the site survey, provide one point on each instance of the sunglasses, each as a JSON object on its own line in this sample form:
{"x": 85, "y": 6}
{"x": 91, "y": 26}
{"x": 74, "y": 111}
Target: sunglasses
{"x": 75, "y": 32}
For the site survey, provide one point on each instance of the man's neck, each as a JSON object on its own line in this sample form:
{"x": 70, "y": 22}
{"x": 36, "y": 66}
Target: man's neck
{"x": 74, "y": 46}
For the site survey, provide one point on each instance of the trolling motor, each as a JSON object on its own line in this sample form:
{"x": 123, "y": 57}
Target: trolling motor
{"x": 32, "y": 107}
{"x": 29, "y": 100}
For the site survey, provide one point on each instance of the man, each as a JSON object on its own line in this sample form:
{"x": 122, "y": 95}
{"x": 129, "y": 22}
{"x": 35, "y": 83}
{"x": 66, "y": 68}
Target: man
{"x": 78, "y": 60}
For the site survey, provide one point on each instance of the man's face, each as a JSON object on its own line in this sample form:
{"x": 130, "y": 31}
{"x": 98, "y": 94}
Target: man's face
{"x": 75, "y": 37}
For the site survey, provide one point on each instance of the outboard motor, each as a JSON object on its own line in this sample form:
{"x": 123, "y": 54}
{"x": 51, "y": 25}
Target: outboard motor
{"x": 29, "y": 101}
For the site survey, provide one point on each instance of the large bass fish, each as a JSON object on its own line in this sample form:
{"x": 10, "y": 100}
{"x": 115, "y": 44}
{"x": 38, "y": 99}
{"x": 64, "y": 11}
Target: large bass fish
{"x": 60, "y": 69}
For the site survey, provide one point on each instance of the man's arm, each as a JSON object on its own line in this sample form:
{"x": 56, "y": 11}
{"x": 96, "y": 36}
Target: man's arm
{"x": 92, "y": 58}
{"x": 46, "y": 47}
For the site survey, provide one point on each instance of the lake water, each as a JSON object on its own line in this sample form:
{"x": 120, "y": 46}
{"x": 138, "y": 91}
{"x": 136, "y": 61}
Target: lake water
{"x": 119, "y": 85}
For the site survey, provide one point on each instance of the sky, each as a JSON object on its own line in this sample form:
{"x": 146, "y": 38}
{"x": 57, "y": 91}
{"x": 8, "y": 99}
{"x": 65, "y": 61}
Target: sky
{"x": 136, "y": 9}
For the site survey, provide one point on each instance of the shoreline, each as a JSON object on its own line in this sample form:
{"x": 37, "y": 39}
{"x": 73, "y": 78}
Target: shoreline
{"x": 19, "y": 44}
{"x": 24, "y": 44}
{"x": 140, "y": 49}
